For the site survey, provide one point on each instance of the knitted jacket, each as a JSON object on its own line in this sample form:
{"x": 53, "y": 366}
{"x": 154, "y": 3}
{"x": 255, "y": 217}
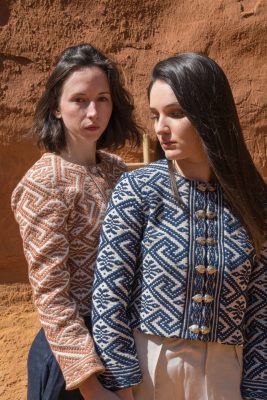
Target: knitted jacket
{"x": 59, "y": 207}
{"x": 177, "y": 271}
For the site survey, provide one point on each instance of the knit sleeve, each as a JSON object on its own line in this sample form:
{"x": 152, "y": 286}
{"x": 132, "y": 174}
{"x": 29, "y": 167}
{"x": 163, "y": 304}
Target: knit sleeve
{"x": 116, "y": 265}
{"x": 120, "y": 167}
{"x": 42, "y": 215}
{"x": 254, "y": 383}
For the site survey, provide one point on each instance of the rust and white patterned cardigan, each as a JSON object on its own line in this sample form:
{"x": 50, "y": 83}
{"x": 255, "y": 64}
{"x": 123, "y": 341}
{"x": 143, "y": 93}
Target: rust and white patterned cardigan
{"x": 59, "y": 207}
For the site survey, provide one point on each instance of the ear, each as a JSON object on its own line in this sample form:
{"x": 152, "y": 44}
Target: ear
{"x": 57, "y": 113}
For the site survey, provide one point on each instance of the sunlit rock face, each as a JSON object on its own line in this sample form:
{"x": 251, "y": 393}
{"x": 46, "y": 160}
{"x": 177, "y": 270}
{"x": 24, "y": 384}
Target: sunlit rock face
{"x": 136, "y": 34}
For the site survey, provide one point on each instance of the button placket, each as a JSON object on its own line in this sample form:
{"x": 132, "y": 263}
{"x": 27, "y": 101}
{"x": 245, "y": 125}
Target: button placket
{"x": 206, "y": 298}
{"x": 203, "y": 299}
{"x": 211, "y": 259}
{"x": 199, "y": 223}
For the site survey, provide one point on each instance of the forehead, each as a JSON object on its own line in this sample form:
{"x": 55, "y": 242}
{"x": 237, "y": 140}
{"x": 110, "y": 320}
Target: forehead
{"x": 86, "y": 79}
{"x": 161, "y": 94}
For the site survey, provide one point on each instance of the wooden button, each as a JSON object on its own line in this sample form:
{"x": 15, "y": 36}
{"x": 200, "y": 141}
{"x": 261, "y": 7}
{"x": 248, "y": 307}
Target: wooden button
{"x": 200, "y": 268}
{"x": 194, "y": 328}
{"x": 211, "y": 241}
{"x": 197, "y": 298}
{"x": 211, "y": 270}
{"x": 208, "y": 298}
{"x": 202, "y": 187}
{"x": 211, "y": 214}
{"x": 204, "y": 329}
{"x": 200, "y": 213}
{"x": 201, "y": 240}
{"x": 211, "y": 188}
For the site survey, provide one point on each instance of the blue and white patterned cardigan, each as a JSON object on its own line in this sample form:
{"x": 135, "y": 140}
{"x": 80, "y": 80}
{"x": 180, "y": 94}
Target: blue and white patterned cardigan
{"x": 173, "y": 273}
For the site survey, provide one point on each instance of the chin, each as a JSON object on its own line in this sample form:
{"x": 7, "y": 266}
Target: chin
{"x": 172, "y": 156}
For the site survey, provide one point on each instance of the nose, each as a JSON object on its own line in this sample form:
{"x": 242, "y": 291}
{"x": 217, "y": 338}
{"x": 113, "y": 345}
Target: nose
{"x": 91, "y": 111}
{"x": 161, "y": 127}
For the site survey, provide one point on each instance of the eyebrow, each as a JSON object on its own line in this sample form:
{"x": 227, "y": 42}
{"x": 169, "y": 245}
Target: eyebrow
{"x": 104, "y": 93}
{"x": 176, "y": 104}
{"x": 83, "y": 93}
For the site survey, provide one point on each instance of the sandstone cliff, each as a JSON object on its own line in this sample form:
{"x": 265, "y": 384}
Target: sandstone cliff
{"x": 136, "y": 34}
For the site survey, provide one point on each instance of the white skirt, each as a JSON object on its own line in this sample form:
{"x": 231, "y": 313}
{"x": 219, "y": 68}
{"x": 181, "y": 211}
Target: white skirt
{"x": 179, "y": 369}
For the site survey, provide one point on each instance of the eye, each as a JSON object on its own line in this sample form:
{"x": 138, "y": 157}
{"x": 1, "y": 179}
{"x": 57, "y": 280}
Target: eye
{"x": 79, "y": 100}
{"x": 103, "y": 99}
{"x": 154, "y": 117}
{"x": 177, "y": 114}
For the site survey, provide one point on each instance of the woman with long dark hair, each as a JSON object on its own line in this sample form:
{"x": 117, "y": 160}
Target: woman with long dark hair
{"x": 59, "y": 205}
{"x": 179, "y": 303}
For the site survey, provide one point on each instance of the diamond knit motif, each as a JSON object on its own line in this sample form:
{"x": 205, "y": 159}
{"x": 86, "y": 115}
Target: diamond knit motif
{"x": 178, "y": 274}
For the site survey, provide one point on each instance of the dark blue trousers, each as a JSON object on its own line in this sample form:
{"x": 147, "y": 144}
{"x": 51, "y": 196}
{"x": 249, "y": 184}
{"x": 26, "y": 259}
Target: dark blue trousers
{"x": 45, "y": 379}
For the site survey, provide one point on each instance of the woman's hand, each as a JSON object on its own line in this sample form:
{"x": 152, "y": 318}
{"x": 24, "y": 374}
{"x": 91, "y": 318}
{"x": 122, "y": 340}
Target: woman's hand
{"x": 125, "y": 394}
{"x": 91, "y": 389}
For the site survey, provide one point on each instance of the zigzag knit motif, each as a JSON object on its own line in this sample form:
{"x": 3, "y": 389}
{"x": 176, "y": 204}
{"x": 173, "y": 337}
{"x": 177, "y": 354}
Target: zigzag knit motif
{"x": 59, "y": 207}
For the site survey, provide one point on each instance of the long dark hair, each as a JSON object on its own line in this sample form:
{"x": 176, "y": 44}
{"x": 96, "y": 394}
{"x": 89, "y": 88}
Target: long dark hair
{"x": 122, "y": 126}
{"x": 205, "y": 96}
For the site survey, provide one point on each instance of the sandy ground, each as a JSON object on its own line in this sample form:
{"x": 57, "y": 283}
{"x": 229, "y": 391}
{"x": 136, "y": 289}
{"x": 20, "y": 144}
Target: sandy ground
{"x": 18, "y": 326}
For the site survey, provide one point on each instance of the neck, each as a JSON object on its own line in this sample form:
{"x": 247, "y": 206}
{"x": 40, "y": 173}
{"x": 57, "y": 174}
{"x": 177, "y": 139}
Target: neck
{"x": 199, "y": 171}
{"x": 81, "y": 155}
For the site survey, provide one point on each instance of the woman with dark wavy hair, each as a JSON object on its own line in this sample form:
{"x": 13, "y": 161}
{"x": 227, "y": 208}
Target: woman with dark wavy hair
{"x": 59, "y": 205}
{"x": 179, "y": 301}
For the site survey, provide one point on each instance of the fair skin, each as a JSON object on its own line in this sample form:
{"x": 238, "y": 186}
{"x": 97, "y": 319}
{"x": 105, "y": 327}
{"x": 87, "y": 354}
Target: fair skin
{"x": 176, "y": 134}
{"x": 85, "y": 107}
{"x": 91, "y": 389}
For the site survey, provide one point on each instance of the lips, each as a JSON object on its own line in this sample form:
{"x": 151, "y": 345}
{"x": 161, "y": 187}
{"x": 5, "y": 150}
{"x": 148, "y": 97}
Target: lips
{"x": 167, "y": 144}
{"x": 91, "y": 127}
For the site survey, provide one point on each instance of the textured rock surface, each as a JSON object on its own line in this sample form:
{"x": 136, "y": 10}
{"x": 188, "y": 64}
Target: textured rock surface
{"x": 136, "y": 34}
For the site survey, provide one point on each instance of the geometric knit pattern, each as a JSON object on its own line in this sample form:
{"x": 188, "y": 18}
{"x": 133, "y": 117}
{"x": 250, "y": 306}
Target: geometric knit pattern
{"x": 59, "y": 207}
{"x": 179, "y": 272}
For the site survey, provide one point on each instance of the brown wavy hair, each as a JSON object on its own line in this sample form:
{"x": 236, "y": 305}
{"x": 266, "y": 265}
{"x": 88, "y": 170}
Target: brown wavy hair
{"x": 122, "y": 126}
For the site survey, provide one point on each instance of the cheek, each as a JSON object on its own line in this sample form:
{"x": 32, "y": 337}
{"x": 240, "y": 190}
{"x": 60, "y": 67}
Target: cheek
{"x": 197, "y": 145}
{"x": 196, "y": 139}
{"x": 184, "y": 132}
{"x": 191, "y": 134}
{"x": 107, "y": 112}
{"x": 69, "y": 110}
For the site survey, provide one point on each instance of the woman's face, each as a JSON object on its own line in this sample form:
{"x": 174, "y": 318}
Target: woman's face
{"x": 85, "y": 106}
{"x": 176, "y": 134}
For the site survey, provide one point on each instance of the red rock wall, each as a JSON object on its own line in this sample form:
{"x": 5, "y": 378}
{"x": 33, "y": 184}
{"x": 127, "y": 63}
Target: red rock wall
{"x": 137, "y": 34}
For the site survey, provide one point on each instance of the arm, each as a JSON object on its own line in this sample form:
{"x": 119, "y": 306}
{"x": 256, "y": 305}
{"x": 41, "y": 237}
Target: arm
{"x": 254, "y": 383}
{"x": 92, "y": 389}
{"x": 42, "y": 215}
{"x": 116, "y": 265}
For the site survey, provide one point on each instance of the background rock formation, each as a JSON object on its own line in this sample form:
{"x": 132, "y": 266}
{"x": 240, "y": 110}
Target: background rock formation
{"x": 136, "y": 34}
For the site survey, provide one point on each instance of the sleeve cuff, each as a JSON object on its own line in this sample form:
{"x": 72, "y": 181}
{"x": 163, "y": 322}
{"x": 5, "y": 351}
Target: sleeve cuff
{"x": 76, "y": 374}
{"x": 121, "y": 377}
{"x": 254, "y": 390}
